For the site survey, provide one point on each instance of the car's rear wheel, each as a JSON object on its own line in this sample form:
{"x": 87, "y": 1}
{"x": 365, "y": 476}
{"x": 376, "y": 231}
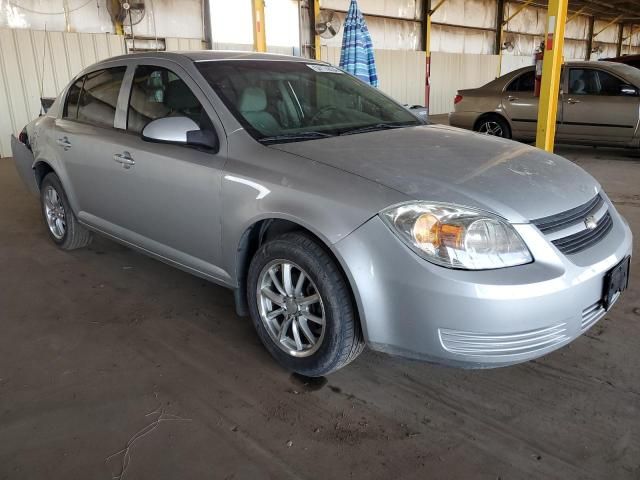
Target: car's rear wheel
{"x": 493, "y": 125}
{"x": 301, "y": 306}
{"x": 62, "y": 225}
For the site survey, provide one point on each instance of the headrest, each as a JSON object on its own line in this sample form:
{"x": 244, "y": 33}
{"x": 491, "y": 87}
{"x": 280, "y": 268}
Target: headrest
{"x": 178, "y": 96}
{"x": 253, "y": 99}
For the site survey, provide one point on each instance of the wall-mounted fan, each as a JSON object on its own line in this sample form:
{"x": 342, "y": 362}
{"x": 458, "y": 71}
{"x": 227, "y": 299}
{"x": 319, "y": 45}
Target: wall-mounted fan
{"x": 328, "y": 24}
{"x": 509, "y": 46}
{"x": 127, "y": 13}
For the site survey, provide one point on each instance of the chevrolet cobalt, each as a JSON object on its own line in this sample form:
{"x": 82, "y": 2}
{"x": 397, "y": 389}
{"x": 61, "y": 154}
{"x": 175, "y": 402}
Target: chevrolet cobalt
{"x": 337, "y": 217}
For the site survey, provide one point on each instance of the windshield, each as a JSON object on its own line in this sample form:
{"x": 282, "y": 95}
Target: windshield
{"x": 280, "y": 101}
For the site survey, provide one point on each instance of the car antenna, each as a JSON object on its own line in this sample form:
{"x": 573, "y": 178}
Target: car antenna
{"x": 44, "y": 54}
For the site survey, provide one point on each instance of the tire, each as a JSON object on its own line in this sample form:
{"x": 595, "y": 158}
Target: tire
{"x": 493, "y": 125}
{"x": 338, "y": 341}
{"x": 62, "y": 224}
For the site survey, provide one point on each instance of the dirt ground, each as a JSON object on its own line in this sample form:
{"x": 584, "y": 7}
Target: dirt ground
{"x": 112, "y": 360}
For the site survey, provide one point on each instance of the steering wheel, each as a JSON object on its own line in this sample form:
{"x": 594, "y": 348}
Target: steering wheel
{"x": 323, "y": 111}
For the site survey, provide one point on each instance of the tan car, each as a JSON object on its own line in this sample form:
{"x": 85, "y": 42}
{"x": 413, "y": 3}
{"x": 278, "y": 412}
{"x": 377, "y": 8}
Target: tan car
{"x": 599, "y": 104}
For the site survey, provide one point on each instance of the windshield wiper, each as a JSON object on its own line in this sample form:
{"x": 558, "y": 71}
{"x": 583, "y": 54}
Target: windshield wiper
{"x": 294, "y": 137}
{"x": 377, "y": 126}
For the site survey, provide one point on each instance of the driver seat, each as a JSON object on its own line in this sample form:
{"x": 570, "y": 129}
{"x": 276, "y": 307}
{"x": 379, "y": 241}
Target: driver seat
{"x": 253, "y": 107}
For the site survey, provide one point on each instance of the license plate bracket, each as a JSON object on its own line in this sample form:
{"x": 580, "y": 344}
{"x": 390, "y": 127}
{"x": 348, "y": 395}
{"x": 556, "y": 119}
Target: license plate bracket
{"x": 616, "y": 281}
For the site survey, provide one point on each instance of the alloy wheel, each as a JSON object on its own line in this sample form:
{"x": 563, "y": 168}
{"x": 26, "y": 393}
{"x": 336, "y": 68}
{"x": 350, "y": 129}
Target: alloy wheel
{"x": 54, "y": 212}
{"x": 491, "y": 128}
{"x": 291, "y": 308}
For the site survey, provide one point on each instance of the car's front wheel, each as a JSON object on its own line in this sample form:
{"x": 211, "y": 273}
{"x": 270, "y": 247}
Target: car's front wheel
{"x": 301, "y": 306}
{"x": 62, "y": 225}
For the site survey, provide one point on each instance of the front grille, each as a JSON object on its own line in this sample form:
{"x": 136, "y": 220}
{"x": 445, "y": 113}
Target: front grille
{"x": 570, "y": 217}
{"x": 502, "y": 345}
{"x": 591, "y": 315}
{"x": 568, "y": 231}
{"x": 583, "y": 240}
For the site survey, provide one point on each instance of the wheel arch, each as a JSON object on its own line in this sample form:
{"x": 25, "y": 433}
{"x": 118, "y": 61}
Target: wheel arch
{"x": 41, "y": 168}
{"x": 262, "y": 231}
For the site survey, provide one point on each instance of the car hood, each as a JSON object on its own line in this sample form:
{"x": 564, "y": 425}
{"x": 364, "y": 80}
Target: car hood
{"x": 446, "y": 164}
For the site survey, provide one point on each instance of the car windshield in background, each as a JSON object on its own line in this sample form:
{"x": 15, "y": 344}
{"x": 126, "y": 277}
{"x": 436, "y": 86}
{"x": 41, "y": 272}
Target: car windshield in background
{"x": 278, "y": 101}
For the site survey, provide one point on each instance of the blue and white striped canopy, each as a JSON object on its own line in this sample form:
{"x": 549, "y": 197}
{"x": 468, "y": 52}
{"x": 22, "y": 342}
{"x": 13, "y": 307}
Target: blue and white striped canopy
{"x": 357, "y": 50}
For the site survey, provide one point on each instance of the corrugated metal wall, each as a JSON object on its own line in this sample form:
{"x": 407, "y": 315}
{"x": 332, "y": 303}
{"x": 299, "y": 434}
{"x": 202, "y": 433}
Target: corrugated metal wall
{"x": 24, "y": 71}
{"x": 401, "y": 72}
{"x": 451, "y": 72}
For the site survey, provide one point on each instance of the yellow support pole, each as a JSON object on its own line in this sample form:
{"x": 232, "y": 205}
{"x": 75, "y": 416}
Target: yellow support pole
{"x": 259, "y": 33}
{"x": 117, "y": 24}
{"x": 427, "y": 20}
{"x": 551, "y": 74}
{"x": 317, "y": 46}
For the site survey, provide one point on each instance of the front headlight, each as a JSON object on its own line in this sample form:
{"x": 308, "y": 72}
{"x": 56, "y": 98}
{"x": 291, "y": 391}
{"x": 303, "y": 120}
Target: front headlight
{"x": 457, "y": 237}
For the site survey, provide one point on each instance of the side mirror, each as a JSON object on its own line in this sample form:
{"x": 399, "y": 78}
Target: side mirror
{"x": 179, "y": 131}
{"x": 629, "y": 90}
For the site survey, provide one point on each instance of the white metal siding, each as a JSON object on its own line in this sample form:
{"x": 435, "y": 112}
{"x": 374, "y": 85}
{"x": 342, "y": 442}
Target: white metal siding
{"x": 23, "y": 71}
{"x": 401, "y": 72}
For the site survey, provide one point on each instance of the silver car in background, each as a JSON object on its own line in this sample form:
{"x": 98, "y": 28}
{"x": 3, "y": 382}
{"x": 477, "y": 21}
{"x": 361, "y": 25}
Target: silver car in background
{"x": 337, "y": 217}
{"x": 599, "y": 104}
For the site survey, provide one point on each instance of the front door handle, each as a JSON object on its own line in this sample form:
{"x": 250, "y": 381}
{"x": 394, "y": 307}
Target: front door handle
{"x": 64, "y": 143}
{"x": 125, "y": 159}
{"x": 573, "y": 101}
{"x": 512, "y": 98}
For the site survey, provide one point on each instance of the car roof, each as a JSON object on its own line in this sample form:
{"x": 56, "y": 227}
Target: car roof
{"x": 210, "y": 55}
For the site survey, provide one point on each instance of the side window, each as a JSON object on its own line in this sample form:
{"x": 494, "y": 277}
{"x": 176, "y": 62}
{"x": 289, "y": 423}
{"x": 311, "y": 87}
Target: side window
{"x": 524, "y": 83}
{"x": 99, "y": 97}
{"x": 157, "y": 93}
{"x": 609, "y": 85}
{"x": 73, "y": 96}
{"x": 585, "y": 81}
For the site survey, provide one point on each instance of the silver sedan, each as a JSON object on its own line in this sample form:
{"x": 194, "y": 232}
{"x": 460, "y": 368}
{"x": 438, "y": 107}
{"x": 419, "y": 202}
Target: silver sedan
{"x": 337, "y": 217}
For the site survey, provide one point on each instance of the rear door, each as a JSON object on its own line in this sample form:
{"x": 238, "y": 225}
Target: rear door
{"x": 596, "y": 110}
{"x": 521, "y": 105}
{"x": 84, "y": 131}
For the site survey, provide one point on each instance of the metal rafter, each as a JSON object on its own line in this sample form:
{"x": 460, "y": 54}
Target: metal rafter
{"x": 627, "y": 10}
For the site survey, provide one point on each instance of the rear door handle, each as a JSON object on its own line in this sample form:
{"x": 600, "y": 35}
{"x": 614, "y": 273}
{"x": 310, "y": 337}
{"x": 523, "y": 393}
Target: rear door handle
{"x": 64, "y": 143}
{"x": 573, "y": 101}
{"x": 125, "y": 159}
{"x": 512, "y": 99}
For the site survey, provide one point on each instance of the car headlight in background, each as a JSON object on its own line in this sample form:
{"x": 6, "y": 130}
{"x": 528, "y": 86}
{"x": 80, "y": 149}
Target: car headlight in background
{"x": 457, "y": 237}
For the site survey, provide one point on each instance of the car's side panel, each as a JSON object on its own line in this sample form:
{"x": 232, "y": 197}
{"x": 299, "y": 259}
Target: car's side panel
{"x": 261, "y": 183}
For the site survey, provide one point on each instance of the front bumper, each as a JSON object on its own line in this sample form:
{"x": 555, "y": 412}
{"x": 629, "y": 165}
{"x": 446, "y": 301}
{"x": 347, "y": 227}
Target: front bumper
{"x": 477, "y": 319}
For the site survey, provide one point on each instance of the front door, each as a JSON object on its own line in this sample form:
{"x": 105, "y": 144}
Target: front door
{"x": 597, "y": 110}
